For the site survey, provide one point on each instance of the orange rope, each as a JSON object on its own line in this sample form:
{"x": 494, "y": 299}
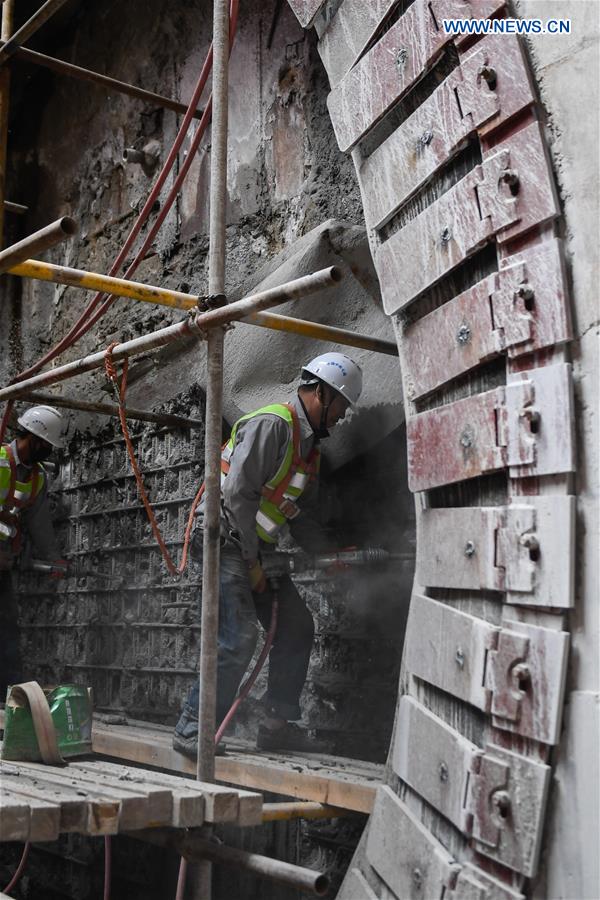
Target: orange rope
{"x": 120, "y": 391}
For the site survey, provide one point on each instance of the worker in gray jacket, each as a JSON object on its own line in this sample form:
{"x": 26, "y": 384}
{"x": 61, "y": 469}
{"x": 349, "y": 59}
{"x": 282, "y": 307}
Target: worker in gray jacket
{"x": 270, "y": 469}
{"x": 24, "y": 507}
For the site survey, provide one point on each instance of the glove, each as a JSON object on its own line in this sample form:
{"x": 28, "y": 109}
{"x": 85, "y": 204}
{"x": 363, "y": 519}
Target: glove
{"x": 59, "y": 568}
{"x": 258, "y": 581}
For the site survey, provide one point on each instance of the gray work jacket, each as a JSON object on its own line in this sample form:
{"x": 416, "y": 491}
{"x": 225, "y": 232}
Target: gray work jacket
{"x": 36, "y": 519}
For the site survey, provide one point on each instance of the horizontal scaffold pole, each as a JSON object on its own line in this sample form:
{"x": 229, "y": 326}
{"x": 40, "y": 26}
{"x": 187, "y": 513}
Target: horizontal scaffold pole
{"x": 113, "y": 84}
{"x": 29, "y": 28}
{"x": 193, "y": 326}
{"x": 37, "y": 242}
{"x": 119, "y": 287}
{"x": 111, "y": 409}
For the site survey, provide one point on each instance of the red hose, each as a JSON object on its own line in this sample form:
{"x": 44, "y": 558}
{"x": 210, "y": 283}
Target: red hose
{"x": 12, "y": 883}
{"x": 247, "y": 686}
{"x": 181, "y": 879}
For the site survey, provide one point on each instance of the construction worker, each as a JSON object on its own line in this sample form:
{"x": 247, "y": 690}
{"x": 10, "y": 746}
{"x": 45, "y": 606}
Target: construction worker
{"x": 24, "y": 506}
{"x": 270, "y": 468}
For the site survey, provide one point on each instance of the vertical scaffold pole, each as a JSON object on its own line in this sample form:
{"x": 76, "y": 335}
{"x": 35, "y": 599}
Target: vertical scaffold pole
{"x": 8, "y": 9}
{"x": 214, "y": 414}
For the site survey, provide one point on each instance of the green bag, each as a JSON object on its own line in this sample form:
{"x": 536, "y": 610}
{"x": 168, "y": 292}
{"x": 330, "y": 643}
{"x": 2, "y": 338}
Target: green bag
{"x": 47, "y": 730}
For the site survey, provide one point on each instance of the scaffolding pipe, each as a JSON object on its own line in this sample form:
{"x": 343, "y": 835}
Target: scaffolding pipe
{"x": 66, "y": 68}
{"x": 121, "y": 287}
{"x": 6, "y": 28}
{"x": 37, "y": 242}
{"x": 92, "y": 281}
{"x": 17, "y": 208}
{"x": 320, "y": 332}
{"x": 190, "y": 327}
{"x": 205, "y": 770}
{"x": 29, "y": 28}
{"x": 301, "y": 809}
{"x": 194, "y": 846}
{"x": 196, "y": 849}
{"x": 109, "y": 409}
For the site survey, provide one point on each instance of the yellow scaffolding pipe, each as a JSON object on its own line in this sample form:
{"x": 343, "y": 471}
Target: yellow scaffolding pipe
{"x": 119, "y": 287}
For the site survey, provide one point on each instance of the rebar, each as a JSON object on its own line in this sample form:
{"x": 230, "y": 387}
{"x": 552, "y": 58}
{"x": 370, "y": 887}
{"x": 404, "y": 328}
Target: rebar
{"x": 37, "y": 242}
{"x": 29, "y": 28}
{"x": 131, "y": 90}
{"x": 17, "y": 208}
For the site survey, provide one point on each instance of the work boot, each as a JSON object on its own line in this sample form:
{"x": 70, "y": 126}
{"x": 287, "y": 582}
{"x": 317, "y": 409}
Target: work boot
{"x": 188, "y": 746}
{"x": 288, "y": 736}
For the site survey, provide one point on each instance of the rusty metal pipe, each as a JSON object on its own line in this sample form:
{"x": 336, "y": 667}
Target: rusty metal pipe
{"x": 17, "y": 208}
{"x": 320, "y": 332}
{"x": 66, "y": 68}
{"x": 29, "y": 28}
{"x": 205, "y": 770}
{"x": 196, "y": 849}
{"x": 191, "y": 327}
{"x": 37, "y": 242}
{"x": 110, "y": 409}
{"x": 301, "y": 809}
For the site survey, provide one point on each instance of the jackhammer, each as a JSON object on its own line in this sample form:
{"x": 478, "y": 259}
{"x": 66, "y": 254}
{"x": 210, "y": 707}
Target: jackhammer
{"x": 277, "y": 565}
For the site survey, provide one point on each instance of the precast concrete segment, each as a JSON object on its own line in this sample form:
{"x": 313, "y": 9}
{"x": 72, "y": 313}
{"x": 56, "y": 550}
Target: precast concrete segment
{"x": 37, "y": 242}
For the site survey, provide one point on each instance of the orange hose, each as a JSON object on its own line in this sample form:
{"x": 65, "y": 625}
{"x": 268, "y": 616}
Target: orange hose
{"x": 120, "y": 391}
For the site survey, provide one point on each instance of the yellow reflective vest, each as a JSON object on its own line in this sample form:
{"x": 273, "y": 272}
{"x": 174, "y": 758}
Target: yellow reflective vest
{"x": 15, "y": 496}
{"x": 279, "y": 495}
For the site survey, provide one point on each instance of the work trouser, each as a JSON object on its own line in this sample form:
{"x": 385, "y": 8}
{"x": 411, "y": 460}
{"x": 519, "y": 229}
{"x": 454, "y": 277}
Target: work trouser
{"x": 10, "y": 653}
{"x": 239, "y": 610}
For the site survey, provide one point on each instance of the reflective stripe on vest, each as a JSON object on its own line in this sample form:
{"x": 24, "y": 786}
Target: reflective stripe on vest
{"x": 16, "y": 495}
{"x": 289, "y": 482}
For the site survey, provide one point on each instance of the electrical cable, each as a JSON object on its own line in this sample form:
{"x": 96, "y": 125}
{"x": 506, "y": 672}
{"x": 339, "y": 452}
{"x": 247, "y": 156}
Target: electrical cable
{"x": 12, "y": 883}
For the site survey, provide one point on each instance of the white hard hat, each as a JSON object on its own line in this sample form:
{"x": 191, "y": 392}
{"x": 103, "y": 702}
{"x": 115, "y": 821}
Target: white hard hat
{"x": 338, "y": 371}
{"x": 45, "y": 422}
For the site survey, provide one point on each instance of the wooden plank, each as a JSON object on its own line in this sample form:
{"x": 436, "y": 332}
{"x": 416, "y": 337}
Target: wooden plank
{"x": 142, "y": 806}
{"x": 74, "y": 809}
{"x": 188, "y": 802}
{"x": 454, "y": 442}
{"x": 496, "y": 797}
{"x": 122, "y": 742}
{"x": 456, "y": 548}
{"x": 520, "y": 309}
{"x": 526, "y": 549}
{"x": 443, "y": 235}
{"x": 439, "y": 126}
{"x": 356, "y": 887}
{"x": 393, "y": 65}
{"x": 347, "y": 784}
{"x": 42, "y": 817}
{"x": 404, "y": 853}
{"x": 306, "y": 11}
{"x": 434, "y": 759}
{"x": 384, "y": 74}
{"x": 348, "y": 34}
{"x": 448, "y": 649}
{"x": 14, "y": 821}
